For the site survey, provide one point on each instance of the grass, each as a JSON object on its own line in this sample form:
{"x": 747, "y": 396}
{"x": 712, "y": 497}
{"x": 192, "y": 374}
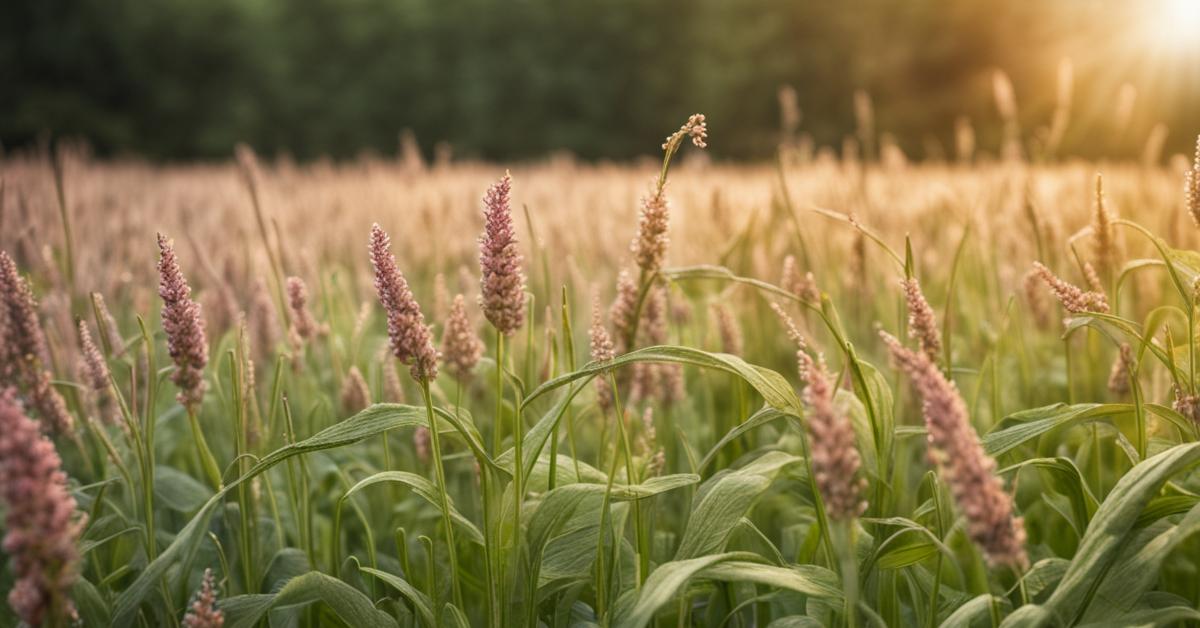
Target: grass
{"x": 531, "y": 503}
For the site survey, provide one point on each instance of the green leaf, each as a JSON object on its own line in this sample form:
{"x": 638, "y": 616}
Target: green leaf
{"x": 637, "y": 607}
{"x": 773, "y": 388}
{"x": 1137, "y": 569}
{"x": 1110, "y": 529}
{"x": 354, "y": 608}
{"x": 979, "y": 609}
{"x": 423, "y": 488}
{"x": 419, "y": 600}
{"x": 764, "y": 416}
{"x": 1149, "y": 618}
{"x": 724, "y": 500}
{"x": 1037, "y": 421}
{"x": 178, "y": 490}
{"x": 371, "y": 422}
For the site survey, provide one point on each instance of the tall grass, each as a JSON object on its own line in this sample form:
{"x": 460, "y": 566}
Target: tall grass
{"x": 1025, "y": 456}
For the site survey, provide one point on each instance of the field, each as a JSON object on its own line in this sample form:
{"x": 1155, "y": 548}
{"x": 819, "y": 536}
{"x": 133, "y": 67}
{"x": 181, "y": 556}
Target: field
{"x": 819, "y": 392}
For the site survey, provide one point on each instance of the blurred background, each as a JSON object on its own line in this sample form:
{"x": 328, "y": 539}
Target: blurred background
{"x": 517, "y": 79}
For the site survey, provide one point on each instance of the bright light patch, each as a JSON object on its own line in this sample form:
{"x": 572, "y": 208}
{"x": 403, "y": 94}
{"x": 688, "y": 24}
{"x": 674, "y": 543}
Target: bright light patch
{"x": 1177, "y": 23}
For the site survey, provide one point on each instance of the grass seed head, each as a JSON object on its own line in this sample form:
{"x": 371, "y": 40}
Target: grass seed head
{"x": 461, "y": 347}
{"x": 922, "y": 323}
{"x": 1191, "y": 187}
{"x": 411, "y": 340}
{"x": 955, "y": 449}
{"x": 184, "y": 327}
{"x": 203, "y": 611}
{"x": 42, "y": 532}
{"x": 502, "y": 283}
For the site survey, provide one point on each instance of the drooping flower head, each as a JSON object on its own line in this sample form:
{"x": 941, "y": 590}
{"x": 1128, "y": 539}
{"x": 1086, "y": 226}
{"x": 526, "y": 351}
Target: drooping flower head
{"x": 1073, "y": 299}
{"x": 834, "y": 451}
{"x": 184, "y": 326}
{"x": 955, "y": 450}
{"x": 502, "y": 284}
{"x": 42, "y": 533}
{"x": 461, "y": 347}
{"x": 411, "y": 341}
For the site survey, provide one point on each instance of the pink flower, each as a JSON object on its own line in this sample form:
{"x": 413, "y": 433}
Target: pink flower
{"x": 184, "y": 326}
{"x": 42, "y": 532}
{"x": 412, "y": 343}
{"x": 502, "y": 284}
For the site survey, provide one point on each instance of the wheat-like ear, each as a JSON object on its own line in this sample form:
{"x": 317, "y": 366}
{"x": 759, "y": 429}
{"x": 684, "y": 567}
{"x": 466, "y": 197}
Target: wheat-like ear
{"x": 184, "y": 327}
{"x": 41, "y": 532}
{"x": 502, "y": 283}
{"x": 411, "y": 341}
{"x": 461, "y": 346}
{"x": 970, "y": 473}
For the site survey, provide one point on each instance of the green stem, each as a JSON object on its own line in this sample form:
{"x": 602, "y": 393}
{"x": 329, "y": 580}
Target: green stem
{"x": 443, "y": 491}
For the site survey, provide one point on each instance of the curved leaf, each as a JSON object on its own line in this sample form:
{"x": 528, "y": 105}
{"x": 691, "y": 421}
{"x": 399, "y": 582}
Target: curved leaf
{"x": 354, "y": 608}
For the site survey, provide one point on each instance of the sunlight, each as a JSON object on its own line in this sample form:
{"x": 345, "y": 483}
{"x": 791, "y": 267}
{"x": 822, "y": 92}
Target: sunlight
{"x": 1176, "y": 24}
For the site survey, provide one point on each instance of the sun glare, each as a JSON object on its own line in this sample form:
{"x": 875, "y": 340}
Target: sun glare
{"x": 1177, "y": 24}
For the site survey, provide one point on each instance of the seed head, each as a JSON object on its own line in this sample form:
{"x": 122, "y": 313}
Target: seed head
{"x": 1118, "y": 377}
{"x": 96, "y": 368}
{"x": 1191, "y": 187}
{"x": 695, "y": 128}
{"x": 461, "y": 347}
{"x": 42, "y": 534}
{"x": 393, "y": 389}
{"x": 835, "y": 456}
{"x": 729, "y": 330}
{"x": 1073, "y": 298}
{"x": 24, "y": 341}
{"x": 412, "y": 343}
{"x": 922, "y": 323}
{"x": 955, "y": 449}
{"x": 649, "y": 247}
{"x": 1103, "y": 232}
{"x": 803, "y": 286}
{"x": 184, "y": 326}
{"x": 502, "y": 284}
{"x": 203, "y": 612}
{"x": 602, "y": 351}
{"x": 623, "y": 311}
{"x": 304, "y": 327}
{"x": 355, "y": 393}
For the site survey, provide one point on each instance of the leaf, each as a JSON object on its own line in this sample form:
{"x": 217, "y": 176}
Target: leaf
{"x": 724, "y": 500}
{"x": 979, "y": 608}
{"x": 1138, "y": 568}
{"x": 637, "y": 607}
{"x": 1109, "y": 530}
{"x": 178, "y": 490}
{"x": 419, "y": 600}
{"x": 1037, "y": 421}
{"x": 354, "y": 608}
{"x": 1149, "y": 618}
{"x": 1061, "y": 475}
{"x": 423, "y": 488}
{"x": 772, "y": 386}
{"x": 764, "y": 416}
{"x": 371, "y": 422}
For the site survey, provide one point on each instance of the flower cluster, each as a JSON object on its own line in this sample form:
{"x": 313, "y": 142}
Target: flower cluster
{"x": 184, "y": 326}
{"x": 502, "y": 284}
{"x": 955, "y": 450}
{"x": 411, "y": 341}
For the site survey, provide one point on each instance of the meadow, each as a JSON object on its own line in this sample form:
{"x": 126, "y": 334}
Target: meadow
{"x": 382, "y": 392}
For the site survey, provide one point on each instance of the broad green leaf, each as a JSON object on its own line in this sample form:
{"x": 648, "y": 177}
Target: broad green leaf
{"x": 178, "y": 490}
{"x": 724, "y": 500}
{"x": 1137, "y": 569}
{"x": 1149, "y": 618}
{"x": 354, "y": 608}
{"x": 1100, "y": 547}
{"x": 764, "y": 416}
{"x": 1032, "y": 423}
